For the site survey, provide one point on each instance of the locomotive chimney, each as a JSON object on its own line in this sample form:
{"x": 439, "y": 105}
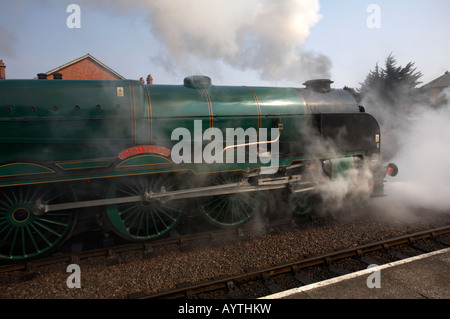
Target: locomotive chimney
{"x": 57, "y": 76}
{"x": 2, "y": 70}
{"x": 42, "y": 76}
{"x": 320, "y": 85}
{"x": 149, "y": 79}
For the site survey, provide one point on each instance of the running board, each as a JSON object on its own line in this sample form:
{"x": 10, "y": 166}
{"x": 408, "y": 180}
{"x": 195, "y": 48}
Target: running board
{"x": 293, "y": 183}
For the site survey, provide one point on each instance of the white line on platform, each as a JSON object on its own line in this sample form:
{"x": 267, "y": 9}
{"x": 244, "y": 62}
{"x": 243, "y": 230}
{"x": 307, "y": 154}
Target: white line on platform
{"x": 290, "y": 292}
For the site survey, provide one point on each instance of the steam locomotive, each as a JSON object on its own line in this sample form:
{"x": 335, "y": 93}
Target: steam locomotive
{"x": 142, "y": 152}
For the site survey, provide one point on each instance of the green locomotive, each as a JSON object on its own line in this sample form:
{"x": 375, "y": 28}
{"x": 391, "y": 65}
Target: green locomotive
{"x": 151, "y": 148}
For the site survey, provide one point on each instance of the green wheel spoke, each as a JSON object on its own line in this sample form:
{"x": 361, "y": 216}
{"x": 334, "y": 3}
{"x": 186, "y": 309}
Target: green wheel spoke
{"x": 221, "y": 200}
{"x": 216, "y": 199}
{"x": 9, "y": 203}
{"x": 124, "y": 211}
{"x": 160, "y": 212}
{"x": 145, "y": 220}
{"x": 54, "y": 222}
{"x": 6, "y": 236}
{"x": 139, "y": 226}
{"x": 24, "y": 243}
{"x": 24, "y": 235}
{"x": 5, "y": 228}
{"x": 136, "y": 215}
{"x": 126, "y": 192}
{"x": 165, "y": 212}
{"x": 32, "y": 239}
{"x": 13, "y": 244}
{"x": 242, "y": 209}
{"x": 133, "y": 211}
{"x": 4, "y": 206}
{"x": 230, "y": 210}
{"x": 158, "y": 221}
{"x": 44, "y": 238}
{"x": 154, "y": 224}
{"x": 301, "y": 204}
{"x": 48, "y": 229}
{"x": 147, "y": 224}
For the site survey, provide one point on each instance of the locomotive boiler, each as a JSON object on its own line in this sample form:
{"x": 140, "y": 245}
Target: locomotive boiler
{"x": 151, "y": 149}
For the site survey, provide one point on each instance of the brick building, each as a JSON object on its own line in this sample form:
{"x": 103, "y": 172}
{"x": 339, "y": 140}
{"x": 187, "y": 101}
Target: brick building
{"x": 437, "y": 91}
{"x": 85, "y": 68}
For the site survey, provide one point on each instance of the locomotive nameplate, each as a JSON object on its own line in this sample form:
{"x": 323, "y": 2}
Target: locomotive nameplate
{"x": 144, "y": 149}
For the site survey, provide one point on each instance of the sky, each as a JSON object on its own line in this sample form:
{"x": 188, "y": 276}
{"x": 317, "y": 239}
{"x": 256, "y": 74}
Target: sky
{"x": 235, "y": 42}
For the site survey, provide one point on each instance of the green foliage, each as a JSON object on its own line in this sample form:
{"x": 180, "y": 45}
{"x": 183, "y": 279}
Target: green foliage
{"x": 393, "y": 86}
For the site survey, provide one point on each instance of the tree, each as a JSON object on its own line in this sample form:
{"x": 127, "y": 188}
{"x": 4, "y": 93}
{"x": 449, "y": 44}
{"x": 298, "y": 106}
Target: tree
{"x": 394, "y": 86}
{"x": 390, "y": 94}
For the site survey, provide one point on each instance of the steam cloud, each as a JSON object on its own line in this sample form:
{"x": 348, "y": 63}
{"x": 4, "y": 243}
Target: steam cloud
{"x": 417, "y": 139}
{"x": 424, "y": 159}
{"x": 347, "y": 192}
{"x": 260, "y": 35}
{"x": 419, "y": 143}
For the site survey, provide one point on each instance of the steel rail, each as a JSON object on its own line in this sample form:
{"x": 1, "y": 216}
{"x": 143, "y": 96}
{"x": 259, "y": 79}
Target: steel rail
{"x": 230, "y": 281}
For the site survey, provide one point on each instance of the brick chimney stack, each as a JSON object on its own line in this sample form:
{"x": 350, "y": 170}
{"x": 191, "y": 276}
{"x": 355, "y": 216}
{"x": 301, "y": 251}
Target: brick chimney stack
{"x": 2, "y": 70}
{"x": 149, "y": 79}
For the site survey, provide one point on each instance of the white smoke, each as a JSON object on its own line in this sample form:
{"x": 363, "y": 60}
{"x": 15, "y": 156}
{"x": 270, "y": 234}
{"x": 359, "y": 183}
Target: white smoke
{"x": 265, "y": 36}
{"x": 417, "y": 139}
{"x": 348, "y": 191}
{"x": 424, "y": 161}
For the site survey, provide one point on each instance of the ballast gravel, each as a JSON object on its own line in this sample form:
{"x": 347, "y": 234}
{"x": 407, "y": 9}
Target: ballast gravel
{"x": 170, "y": 266}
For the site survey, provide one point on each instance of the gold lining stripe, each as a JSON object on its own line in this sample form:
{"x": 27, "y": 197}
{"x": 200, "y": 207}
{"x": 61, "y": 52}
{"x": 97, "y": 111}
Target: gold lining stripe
{"x": 150, "y": 118}
{"x": 208, "y": 100}
{"x": 305, "y": 103}
{"x": 123, "y": 174}
{"x": 49, "y": 170}
{"x": 133, "y": 114}
{"x": 61, "y": 164}
{"x": 146, "y": 155}
{"x": 258, "y": 108}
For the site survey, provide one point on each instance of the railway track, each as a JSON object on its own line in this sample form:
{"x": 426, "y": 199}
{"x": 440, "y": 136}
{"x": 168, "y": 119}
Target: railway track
{"x": 112, "y": 254}
{"x": 207, "y": 259}
{"x": 230, "y": 286}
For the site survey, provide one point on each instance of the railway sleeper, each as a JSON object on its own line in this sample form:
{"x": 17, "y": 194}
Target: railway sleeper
{"x": 30, "y": 272}
{"x": 338, "y": 270}
{"x": 369, "y": 260}
{"x": 304, "y": 279}
{"x": 270, "y": 283}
